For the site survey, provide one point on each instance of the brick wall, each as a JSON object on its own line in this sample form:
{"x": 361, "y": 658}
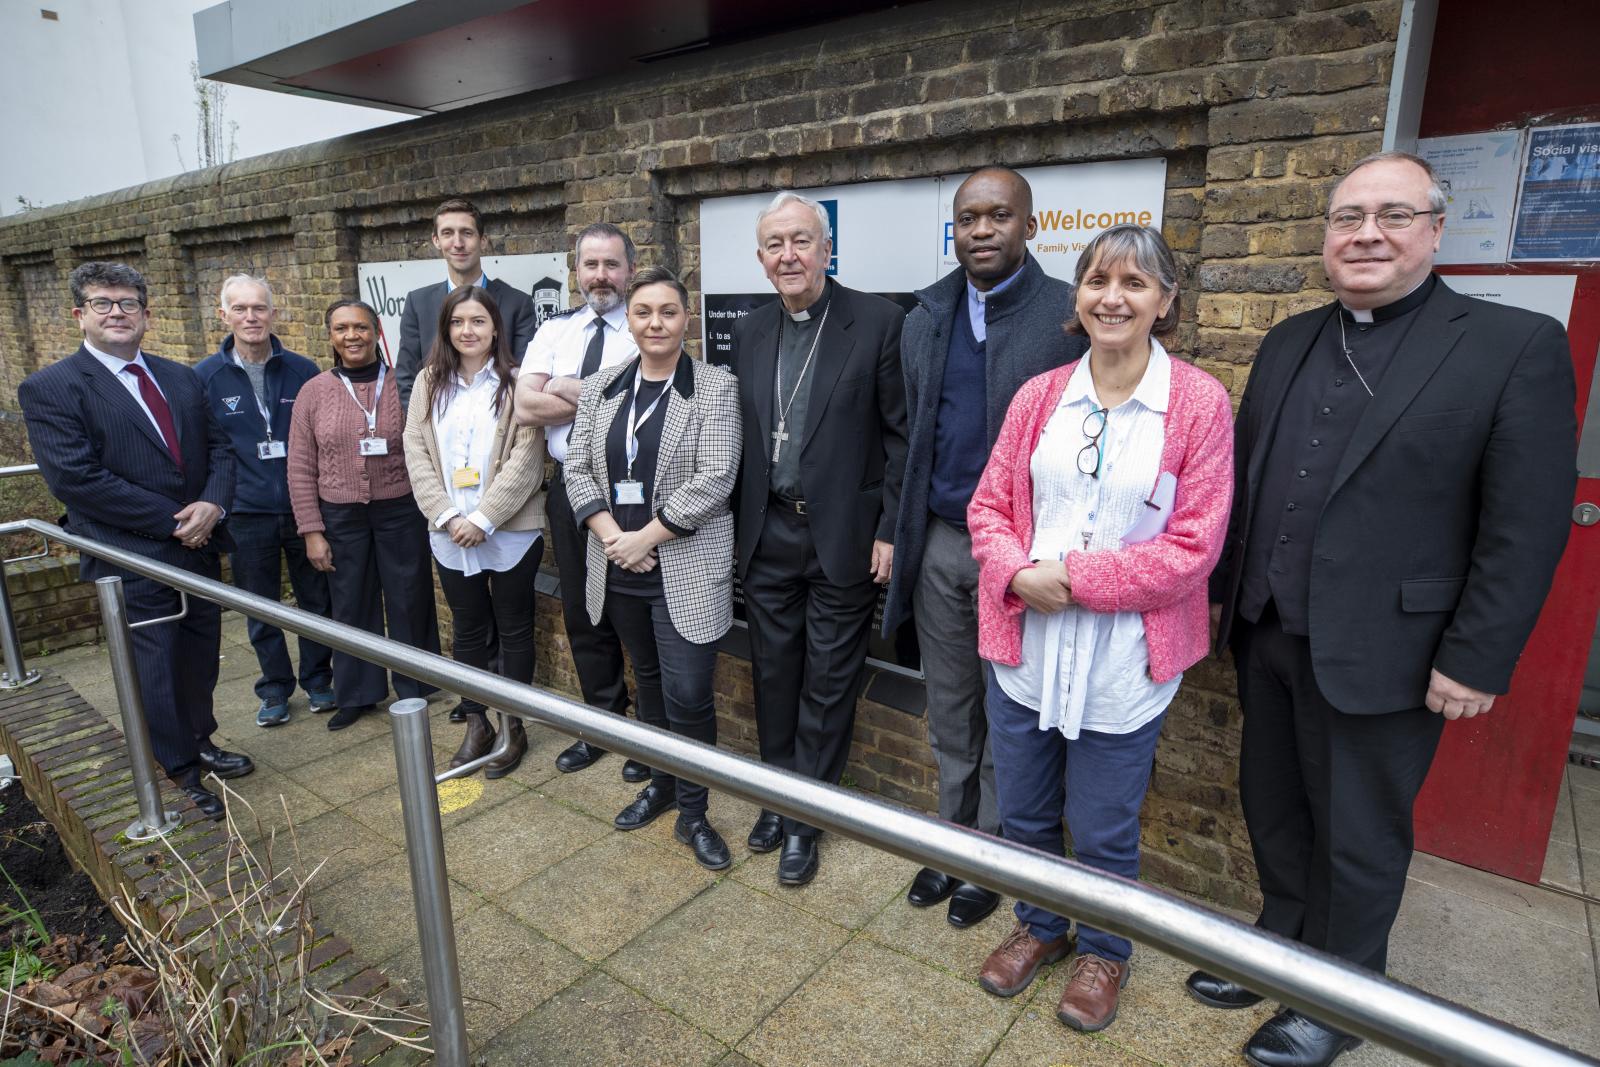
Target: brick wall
{"x": 1255, "y": 104}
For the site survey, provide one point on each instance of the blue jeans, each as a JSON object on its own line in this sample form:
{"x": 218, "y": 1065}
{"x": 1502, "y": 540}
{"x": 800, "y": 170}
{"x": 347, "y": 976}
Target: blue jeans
{"x": 1098, "y": 782}
{"x": 262, "y": 543}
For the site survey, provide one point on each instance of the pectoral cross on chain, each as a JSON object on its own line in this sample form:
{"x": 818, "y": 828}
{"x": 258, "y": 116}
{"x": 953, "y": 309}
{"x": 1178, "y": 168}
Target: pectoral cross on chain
{"x": 779, "y": 436}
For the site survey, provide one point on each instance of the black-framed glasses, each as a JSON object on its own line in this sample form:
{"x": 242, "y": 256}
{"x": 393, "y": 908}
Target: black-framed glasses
{"x": 1091, "y": 454}
{"x": 101, "y": 305}
{"x": 1349, "y": 220}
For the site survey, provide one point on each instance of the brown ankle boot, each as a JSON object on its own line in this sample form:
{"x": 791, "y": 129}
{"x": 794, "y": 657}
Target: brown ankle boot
{"x": 478, "y": 741}
{"x": 504, "y": 765}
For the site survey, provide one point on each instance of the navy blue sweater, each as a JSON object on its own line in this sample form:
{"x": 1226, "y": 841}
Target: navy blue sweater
{"x": 263, "y": 486}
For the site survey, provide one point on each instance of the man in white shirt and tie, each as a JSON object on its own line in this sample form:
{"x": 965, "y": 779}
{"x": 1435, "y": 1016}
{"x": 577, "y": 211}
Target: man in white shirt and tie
{"x": 568, "y": 348}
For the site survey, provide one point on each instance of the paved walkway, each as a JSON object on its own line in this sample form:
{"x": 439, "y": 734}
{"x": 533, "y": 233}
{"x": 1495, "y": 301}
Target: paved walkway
{"x": 583, "y": 945}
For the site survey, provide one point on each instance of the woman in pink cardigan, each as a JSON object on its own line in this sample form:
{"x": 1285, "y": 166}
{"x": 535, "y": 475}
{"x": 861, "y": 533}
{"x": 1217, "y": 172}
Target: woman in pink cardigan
{"x": 1095, "y": 526}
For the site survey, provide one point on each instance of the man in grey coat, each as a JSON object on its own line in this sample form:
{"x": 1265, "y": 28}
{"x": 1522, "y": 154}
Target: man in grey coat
{"x": 975, "y": 336}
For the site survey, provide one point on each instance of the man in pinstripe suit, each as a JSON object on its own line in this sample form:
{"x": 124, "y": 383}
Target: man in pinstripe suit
{"x": 126, "y": 442}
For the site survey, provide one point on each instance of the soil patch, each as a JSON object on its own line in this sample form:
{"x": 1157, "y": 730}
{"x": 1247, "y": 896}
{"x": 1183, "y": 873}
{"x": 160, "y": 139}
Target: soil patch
{"x": 64, "y": 897}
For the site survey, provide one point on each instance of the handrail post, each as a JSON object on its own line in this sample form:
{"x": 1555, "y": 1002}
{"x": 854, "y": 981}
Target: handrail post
{"x": 16, "y": 673}
{"x": 430, "y": 886}
{"x": 153, "y": 821}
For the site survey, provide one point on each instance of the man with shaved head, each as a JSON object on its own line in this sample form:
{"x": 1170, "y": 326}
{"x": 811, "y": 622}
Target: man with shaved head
{"x": 975, "y": 336}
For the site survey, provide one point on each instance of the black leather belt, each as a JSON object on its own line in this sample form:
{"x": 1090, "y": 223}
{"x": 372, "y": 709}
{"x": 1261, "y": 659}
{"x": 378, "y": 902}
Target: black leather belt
{"x": 798, "y": 507}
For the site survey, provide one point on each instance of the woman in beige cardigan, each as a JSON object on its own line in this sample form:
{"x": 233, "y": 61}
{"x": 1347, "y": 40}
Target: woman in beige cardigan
{"x": 479, "y": 480}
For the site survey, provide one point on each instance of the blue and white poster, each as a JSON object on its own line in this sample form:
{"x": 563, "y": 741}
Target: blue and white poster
{"x": 1558, "y": 215}
{"x": 1478, "y": 172}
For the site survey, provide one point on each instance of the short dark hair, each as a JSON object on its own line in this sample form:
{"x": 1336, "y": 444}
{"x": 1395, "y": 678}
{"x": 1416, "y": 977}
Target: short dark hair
{"x": 1437, "y": 201}
{"x": 102, "y": 274}
{"x": 457, "y": 205}
{"x": 1148, "y": 251}
{"x": 656, "y": 276}
{"x": 605, "y": 231}
{"x": 327, "y": 323}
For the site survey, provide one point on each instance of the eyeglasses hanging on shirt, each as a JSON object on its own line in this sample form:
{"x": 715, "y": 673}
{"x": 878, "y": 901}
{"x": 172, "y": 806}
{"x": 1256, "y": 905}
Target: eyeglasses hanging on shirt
{"x": 371, "y": 444}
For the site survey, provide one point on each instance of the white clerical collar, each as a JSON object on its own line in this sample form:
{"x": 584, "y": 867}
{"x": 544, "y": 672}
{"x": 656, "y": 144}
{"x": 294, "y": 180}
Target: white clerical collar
{"x": 804, "y": 314}
{"x": 1365, "y": 314}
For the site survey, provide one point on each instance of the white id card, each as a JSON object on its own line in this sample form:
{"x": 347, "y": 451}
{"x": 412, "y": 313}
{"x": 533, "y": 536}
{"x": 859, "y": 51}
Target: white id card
{"x": 630, "y": 492}
{"x": 373, "y": 446}
{"x": 271, "y": 449}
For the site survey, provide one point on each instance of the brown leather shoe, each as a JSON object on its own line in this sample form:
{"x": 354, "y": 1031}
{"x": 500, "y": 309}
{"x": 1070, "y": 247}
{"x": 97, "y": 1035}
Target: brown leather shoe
{"x": 1012, "y": 965}
{"x": 504, "y": 765}
{"x": 1089, "y": 1002}
{"x": 476, "y": 744}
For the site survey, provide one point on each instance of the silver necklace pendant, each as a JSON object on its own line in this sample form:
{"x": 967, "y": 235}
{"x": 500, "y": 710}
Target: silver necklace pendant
{"x": 1349, "y": 357}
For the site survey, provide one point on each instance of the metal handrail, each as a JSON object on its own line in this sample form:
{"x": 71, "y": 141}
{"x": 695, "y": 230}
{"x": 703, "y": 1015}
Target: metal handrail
{"x": 1341, "y": 994}
{"x": 20, "y": 469}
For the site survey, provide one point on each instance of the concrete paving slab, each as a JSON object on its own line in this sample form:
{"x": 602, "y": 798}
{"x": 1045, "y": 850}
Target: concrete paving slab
{"x": 598, "y": 789}
{"x": 602, "y": 1023}
{"x": 497, "y": 848}
{"x": 854, "y": 881}
{"x": 1562, "y": 866}
{"x": 352, "y": 770}
{"x": 373, "y": 908}
{"x": 733, "y": 1059}
{"x": 460, "y": 799}
{"x": 1582, "y": 777}
{"x": 1565, "y": 827}
{"x": 727, "y": 958}
{"x": 926, "y": 933}
{"x": 1037, "y": 1038}
{"x": 1519, "y": 899}
{"x": 269, "y": 803}
{"x": 506, "y": 970}
{"x": 1585, "y": 808}
{"x": 600, "y": 898}
{"x": 340, "y": 844}
{"x": 870, "y": 1006}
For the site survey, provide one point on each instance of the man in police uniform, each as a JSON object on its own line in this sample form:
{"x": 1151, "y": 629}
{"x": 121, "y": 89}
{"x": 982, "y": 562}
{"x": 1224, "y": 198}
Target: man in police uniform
{"x": 568, "y": 348}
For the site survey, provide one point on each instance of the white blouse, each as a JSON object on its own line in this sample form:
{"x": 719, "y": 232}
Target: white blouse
{"x": 1085, "y": 670}
{"x": 465, "y": 432}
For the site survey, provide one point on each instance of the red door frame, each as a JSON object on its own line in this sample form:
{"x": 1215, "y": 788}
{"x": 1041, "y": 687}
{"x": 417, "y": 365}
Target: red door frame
{"x": 1491, "y": 796}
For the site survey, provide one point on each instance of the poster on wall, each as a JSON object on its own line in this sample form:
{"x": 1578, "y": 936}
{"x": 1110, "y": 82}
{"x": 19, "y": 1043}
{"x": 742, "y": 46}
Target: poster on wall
{"x": 1548, "y": 294}
{"x": 896, "y": 237}
{"x": 543, "y": 276}
{"x": 1479, "y": 174}
{"x": 893, "y": 238}
{"x": 1558, "y": 213}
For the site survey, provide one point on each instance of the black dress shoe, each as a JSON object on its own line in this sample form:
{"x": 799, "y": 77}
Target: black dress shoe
{"x": 767, "y": 833}
{"x": 929, "y": 887}
{"x": 457, "y": 715}
{"x": 651, "y": 801}
{"x": 223, "y": 764}
{"x": 209, "y": 803}
{"x": 797, "y": 864}
{"x": 710, "y": 851}
{"x": 634, "y": 771}
{"x": 1290, "y": 1039}
{"x": 577, "y": 756}
{"x": 971, "y": 904}
{"x": 1216, "y": 992}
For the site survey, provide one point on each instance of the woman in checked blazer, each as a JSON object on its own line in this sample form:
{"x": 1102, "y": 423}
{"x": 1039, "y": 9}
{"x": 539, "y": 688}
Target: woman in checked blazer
{"x": 651, "y": 463}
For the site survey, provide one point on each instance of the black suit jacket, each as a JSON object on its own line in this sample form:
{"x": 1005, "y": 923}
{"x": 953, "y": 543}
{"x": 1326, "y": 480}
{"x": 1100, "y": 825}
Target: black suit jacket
{"x": 853, "y": 447}
{"x": 104, "y": 459}
{"x": 419, "y": 324}
{"x": 1448, "y": 512}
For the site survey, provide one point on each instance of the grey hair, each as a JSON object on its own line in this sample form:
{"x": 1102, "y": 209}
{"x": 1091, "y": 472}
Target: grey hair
{"x": 1437, "y": 201}
{"x": 242, "y": 279}
{"x": 604, "y": 231}
{"x": 784, "y": 199}
{"x": 105, "y": 275}
{"x": 1148, "y": 250}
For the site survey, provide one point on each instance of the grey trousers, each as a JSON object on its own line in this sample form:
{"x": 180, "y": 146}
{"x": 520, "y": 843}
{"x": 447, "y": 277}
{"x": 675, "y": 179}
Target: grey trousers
{"x": 945, "y": 607}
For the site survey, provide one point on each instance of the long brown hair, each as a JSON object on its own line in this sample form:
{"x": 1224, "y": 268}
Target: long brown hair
{"x": 444, "y": 362}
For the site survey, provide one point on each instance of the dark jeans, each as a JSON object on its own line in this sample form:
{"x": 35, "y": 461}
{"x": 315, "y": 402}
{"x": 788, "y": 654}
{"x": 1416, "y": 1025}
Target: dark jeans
{"x": 1327, "y": 798}
{"x": 380, "y": 574}
{"x": 492, "y": 618}
{"x": 263, "y": 543}
{"x": 1098, "y": 782}
{"x": 673, "y": 675}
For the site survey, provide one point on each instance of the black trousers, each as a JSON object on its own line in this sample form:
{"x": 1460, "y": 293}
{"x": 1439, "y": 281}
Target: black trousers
{"x": 808, "y": 643}
{"x": 176, "y": 663}
{"x": 380, "y": 575}
{"x": 596, "y": 649}
{"x": 491, "y": 616}
{"x": 1327, "y": 798}
{"x": 674, "y": 676}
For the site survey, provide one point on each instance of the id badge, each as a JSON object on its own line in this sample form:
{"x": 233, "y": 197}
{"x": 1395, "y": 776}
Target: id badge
{"x": 272, "y": 449}
{"x": 630, "y": 492}
{"x": 373, "y": 446}
{"x": 465, "y": 477}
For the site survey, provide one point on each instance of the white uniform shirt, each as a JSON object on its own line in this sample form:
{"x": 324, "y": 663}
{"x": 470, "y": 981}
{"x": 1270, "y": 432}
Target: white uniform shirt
{"x": 1085, "y": 670}
{"x": 119, "y": 367}
{"x": 558, "y": 348}
{"x": 465, "y": 433}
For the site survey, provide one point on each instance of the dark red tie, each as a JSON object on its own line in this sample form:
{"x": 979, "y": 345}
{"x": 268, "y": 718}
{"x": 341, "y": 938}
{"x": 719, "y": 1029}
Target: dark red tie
{"x": 158, "y": 407}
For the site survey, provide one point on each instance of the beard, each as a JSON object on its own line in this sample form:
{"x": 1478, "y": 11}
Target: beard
{"x": 601, "y": 300}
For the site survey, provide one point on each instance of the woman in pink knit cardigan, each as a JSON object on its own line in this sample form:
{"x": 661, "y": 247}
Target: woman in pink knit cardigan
{"x": 1095, "y": 526}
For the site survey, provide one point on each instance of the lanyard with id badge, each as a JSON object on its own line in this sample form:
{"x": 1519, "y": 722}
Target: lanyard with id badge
{"x": 270, "y": 448}
{"x": 629, "y": 491}
{"x": 464, "y": 475}
{"x": 371, "y": 444}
